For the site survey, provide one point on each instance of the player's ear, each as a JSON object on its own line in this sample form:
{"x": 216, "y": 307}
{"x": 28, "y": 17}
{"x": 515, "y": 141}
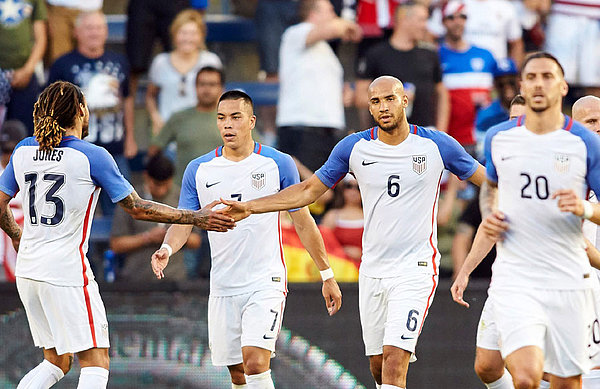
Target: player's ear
{"x": 564, "y": 88}
{"x": 252, "y": 122}
{"x": 404, "y": 100}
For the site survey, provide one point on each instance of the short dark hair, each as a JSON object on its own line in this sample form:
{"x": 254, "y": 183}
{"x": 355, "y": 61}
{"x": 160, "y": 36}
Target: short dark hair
{"x": 517, "y": 100}
{"x": 211, "y": 69}
{"x": 237, "y": 94}
{"x": 160, "y": 168}
{"x": 542, "y": 54}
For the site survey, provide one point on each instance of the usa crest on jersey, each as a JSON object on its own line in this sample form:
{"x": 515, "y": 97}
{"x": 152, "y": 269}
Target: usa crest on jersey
{"x": 419, "y": 163}
{"x": 258, "y": 180}
{"x": 561, "y": 163}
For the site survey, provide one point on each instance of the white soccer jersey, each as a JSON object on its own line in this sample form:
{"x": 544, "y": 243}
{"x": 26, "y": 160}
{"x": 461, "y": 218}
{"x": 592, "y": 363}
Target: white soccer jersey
{"x": 249, "y": 257}
{"x": 543, "y": 247}
{"x": 60, "y": 190}
{"x": 399, "y": 186}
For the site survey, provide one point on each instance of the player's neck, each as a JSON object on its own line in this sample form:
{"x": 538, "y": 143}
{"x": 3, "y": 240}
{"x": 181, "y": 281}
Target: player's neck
{"x": 550, "y": 120}
{"x": 395, "y": 136}
{"x": 239, "y": 153}
{"x": 73, "y": 131}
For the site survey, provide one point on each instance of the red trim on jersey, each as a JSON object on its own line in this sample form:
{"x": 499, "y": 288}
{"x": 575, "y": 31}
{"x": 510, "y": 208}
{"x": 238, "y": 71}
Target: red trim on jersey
{"x": 414, "y": 129}
{"x": 568, "y": 123}
{"x": 281, "y": 252}
{"x": 433, "y": 255}
{"x": 217, "y": 152}
{"x": 259, "y": 148}
{"x": 373, "y": 133}
{"x": 520, "y": 120}
{"x": 86, "y": 294}
{"x": 338, "y": 181}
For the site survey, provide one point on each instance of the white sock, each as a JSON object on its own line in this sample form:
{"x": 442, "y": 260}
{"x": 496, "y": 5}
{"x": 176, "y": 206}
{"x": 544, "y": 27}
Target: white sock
{"x": 378, "y": 386}
{"x": 591, "y": 380}
{"x": 544, "y": 385}
{"x": 260, "y": 381}
{"x": 42, "y": 376}
{"x": 236, "y": 386}
{"x": 388, "y": 386}
{"x": 504, "y": 382}
{"x": 93, "y": 378}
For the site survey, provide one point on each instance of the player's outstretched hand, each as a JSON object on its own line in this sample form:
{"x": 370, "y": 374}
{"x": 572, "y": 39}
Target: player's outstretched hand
{"x": 160, "y": 260}
{"x": 332, "y": 295}
{"x": 458, "y": 288}
{"x": 236, "y": 209}
{"x": 210, "y": 220}
{"x": 494, "y": 226}
{"x": 568, "y": 201}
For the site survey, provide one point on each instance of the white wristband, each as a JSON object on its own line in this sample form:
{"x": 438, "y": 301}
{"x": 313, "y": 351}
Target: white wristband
{"x": 326, "y": 274}
{"x": 168, "y": 248}
{"x": 588, "y": 209}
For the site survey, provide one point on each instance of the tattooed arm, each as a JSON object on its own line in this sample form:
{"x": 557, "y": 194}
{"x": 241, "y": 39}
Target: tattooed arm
{"x": 205, "y": 218}
{"x": 7, "y": 221}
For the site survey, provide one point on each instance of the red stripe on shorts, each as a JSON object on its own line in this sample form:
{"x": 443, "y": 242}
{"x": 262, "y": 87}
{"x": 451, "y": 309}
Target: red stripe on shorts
{"x": 85, "y": 279}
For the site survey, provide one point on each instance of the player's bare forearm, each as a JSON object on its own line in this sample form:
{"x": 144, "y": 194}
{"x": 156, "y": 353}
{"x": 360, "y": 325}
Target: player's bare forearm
{"x": 7, "y": 220}
{"x": 311, "y": 238}
{"x": 487, "y": 198}
{"x": 177, "y": 236}
{"x": 482, "y": 245}
{"x": 294, "y": 196}
{"x": 205, "y": 218}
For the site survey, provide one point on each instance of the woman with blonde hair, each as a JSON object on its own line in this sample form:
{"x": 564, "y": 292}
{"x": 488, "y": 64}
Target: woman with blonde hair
{"x": 172, "y": 75}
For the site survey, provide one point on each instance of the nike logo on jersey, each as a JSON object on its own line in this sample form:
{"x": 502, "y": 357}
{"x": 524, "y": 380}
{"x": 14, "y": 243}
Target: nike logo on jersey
{"x": 213, "y": 184}
{"x": 504, "y": 158}
{"x": 406, "y": 337}
{"x": 365, "y": 163}
{"x": 268, "y": 337}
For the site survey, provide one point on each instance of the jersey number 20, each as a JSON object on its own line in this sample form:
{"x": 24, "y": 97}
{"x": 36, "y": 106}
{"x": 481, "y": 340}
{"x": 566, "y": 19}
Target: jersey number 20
{"x": 57, "y": 180}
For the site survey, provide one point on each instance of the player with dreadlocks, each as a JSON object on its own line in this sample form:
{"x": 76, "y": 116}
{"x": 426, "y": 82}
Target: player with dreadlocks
{"x": 60, "y": 177}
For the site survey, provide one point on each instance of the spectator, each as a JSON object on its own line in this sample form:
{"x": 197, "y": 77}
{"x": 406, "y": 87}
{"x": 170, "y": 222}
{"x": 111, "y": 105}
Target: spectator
{"x": 136, "y": 239}
{"x": 173, "y": 74}
{"x": 104, "y": 78}
{"x": 416, "y": 65}
{"x": 194, "y": 130}
{"x": 146, "y": 21}
{"x": 61, "y": 24}
{"x": 573, "y": 37}
{"x": 506, "y": 84}
{"x": 347, "y": 221}
{"x": 13, "y": 131}
{"x": 468, "y": 73}
{"x": 492, "y": 25}
{"x": 310, "y": 74}
{"x": 22, "y": 44}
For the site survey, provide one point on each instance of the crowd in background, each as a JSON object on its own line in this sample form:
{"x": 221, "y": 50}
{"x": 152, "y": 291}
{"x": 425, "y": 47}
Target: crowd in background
{"x": 458, "y": 61}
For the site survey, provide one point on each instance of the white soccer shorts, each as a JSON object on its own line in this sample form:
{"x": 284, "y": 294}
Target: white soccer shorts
{"x": 595, "y": 335}
{"x": 68, "y": 318}
{"x": 250, "y": 319}
{"x": 557, "y": 321}
{"x": 393, "y": 310}
{"x": 487, "y": 333}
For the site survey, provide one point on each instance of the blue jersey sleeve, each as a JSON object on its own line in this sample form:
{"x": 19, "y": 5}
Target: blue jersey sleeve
{"x": 490, "y": 168}
{"x": 8, "y": 182}
{"x": 455, "y": 158}
{"x": 338, "y": 163}
{"x": 106, "y": 174}
{"x": 592, "y": 143}
{"x": 188, "y": 197}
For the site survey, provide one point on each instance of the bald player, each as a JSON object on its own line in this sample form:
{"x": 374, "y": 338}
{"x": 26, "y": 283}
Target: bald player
{"x": 586, "y": 110}
{"x": 398, "y": 167}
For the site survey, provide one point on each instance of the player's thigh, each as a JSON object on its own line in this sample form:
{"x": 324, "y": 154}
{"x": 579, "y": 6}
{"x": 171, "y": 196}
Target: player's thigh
{"x": 520, "y": 319}
{"x": 225, "y": 329}
{"x": 409, "y": 300}
{"x": 94, "y": 357}
{"x": 526, "y": 364}
{"x": 77, "y": 317}
{"x": 29, "y": 293}
{"x": 262, "y": 318}
{"x": 372, "y": 306}
{"x": 562, "y": 32}
{"x": 568, "y": 349}
{"x": 487, "y": 332}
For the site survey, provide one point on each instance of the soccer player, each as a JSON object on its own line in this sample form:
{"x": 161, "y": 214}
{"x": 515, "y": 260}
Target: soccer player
{"x": 398, "y": 167}
{"x": 542, "y": 274}
{"x": 248, "y": 283}
{"x": 60, "y": 177}
{"x": 587, "y": 111}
